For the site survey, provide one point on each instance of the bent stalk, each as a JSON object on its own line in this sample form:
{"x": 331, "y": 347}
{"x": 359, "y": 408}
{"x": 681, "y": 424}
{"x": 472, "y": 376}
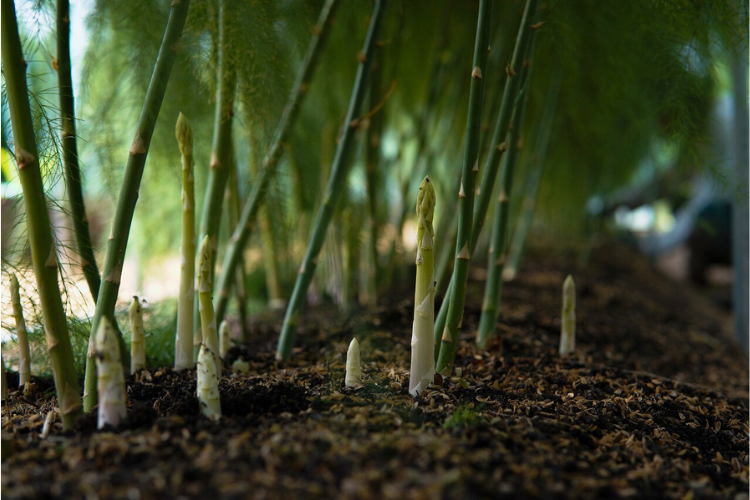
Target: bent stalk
{"x": 183, "y": 357}
{"x": 334, "y": 187}
{"x": 118, "y": 238}
{"x": 43, "y": 255}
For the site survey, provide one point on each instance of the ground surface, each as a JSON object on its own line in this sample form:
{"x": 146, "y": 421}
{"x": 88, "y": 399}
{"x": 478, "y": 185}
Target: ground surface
{"x": 653, "y": 404}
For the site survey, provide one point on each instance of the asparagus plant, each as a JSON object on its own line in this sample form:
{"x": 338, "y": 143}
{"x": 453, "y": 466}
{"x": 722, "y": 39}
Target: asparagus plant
{"x": 334, "y": 187}
{"x": 43, "y": 255}
{"x": 138, "y": 336}
{"x": 422, "y": 339}
{"x": 568, "y": 322}
{"x": 184, "y": 339}
{"x": 24, "y": 353}
{"x": 118, "y": 238}
{"x": 208, "y": 334}
{"x": 208, "y": 383}
{"x": 3, "y": 380}
{"x": 499, "y": 146}
{"x": 250, "y": 209}
{"x": 224, "y": 339}
{"x": 469, "y": 173}
{"x": 70, "y": 151}
{"x": 110, "y": 378}
{"x": 353, "y": 365}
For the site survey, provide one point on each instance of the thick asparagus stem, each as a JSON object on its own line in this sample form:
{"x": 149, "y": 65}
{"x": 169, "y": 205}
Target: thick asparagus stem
{"x": 183, "y": 357}
{"x": 208, "y": 383}
{"x": 422, "y": 340}
{"x": 110, "y": 378}
{"x": 334, "y": 187}
{"x": 138, "y": 336}
{"x": 250, "y": 209}
{"x": 568, "y": 323}
{"x": 24, "y": 353}
{"x": 353, "y": 365}
{"x": 70, "y": 151}
{"x": 499, "y": 146}
{"x": 209, "y": 335}
{"x": 118, "y": 238}
{"x": 466, "y": 191}
{"x": 43, "y": 256}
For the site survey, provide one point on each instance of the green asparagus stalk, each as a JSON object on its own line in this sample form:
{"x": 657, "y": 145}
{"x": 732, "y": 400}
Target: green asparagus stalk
{"x": 353, "y": 365}
{"x": 334, "y": 187}
{"x": 138, "y": 336}
{"x": 183, "y": 357}
{"x": 499, "y": 239}
{"x": 3, "y": 382}
{"x": 422, "y": 339}
{"x": 24, "y": 353}
{"x": 568, "y": 323}
{"x": 70, "y": 151}
{"x": 110, "y": 378}
{"x": 469, "y": 173}
{"x": 208, "y": 383}
{"x": 233, "y": 217}
{"x": 118, "y": 239}
{"x": 250, "y": 209}
{"x": 499, "y": 146}
{"x": 209, "y": 336}
{"x": 43, "y": 256}
{"x": 224, "y": 339}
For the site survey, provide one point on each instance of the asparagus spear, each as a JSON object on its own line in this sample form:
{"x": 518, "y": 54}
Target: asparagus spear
{"x": 138, "y": 336}
{"x": 568, "y": 323}
{"x": 24, "y": 355}
{"x": 224, "y": 339}
{"x": 184, "y": 339}
{"x": 110, "y": 378}
{"x": 422, "y": 339}
{"x": 43, "y": 255}
{"x": 209, "y": 336}
{"x": 208, "y": 383}
{"x": 353, "y": 365}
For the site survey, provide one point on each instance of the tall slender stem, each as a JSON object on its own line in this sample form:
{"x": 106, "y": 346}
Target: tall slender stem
{"x": 118, "y": 238}
{"x": 184, "y": 339}
{"x": 466, "y": 190}
{"x": 334, "y": 187}
{"x": 43, "y": 256}
{"x": 250, "y": 209}
{"x": 70, "y": 152}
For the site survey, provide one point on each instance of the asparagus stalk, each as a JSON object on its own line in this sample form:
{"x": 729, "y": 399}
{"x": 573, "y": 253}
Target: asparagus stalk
{"x": 209, "y": 336}
{"x": 111, "y": 381}
{"x": 233, "y": 217}
{"x": 353, "y": 365}
{"x": 568, "y": 323}
{"x": 208, "y": 383}
{"x": 422, "y": 339}
{"x": 70, "y": 151}
{"x": 118, "y": 239}
{"x": 184, "y": 339}
{"x": 334, "y": 187}
{"x": 24, "y": 354}
{"x": 3, "y": 380}
{"x": 250, "y": 209}
{"x": 43, "y": 256}
{"x": 138, "y": 337}
{"x": 466, "y": 191}
{"x": 224, "y": 339}
{"x": 499, "y": 146}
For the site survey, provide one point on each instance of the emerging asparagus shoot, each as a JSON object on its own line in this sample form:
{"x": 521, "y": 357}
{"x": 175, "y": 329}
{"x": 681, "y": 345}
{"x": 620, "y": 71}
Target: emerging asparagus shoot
{"x": 210, "y": 337}
{"x": 422, "y": 339}
{"x": 138, "y": 337}
{"x": 208, "y": 383}
{"x": 224, "y": 338}
{"x": 24, "y": 354}
{"x": 184, "y": 342}
{"x": 110, "y": 379}
{"x": 353, "y": 365}
{"x": 568, "y": 326}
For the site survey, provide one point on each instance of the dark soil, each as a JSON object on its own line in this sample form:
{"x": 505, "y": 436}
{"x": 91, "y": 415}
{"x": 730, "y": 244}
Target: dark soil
{"x": 653, "y": 404}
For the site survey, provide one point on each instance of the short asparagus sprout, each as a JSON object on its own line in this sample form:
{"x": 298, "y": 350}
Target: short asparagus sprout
{"x": 24, "y": 353}
{"x": 422, "y": 337}
{"x": 208, "y": 383}
{"x": 241, "y": 366}
{"x": 224, "y": 339}
{"x": 210, "y": 336}
{"x": 138, "y": 337}
{"x": 353, "y": 365}
{"x": 568, "y": 327}
{"x": 110, "y": 379}
{"x": 47, "y": 426}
